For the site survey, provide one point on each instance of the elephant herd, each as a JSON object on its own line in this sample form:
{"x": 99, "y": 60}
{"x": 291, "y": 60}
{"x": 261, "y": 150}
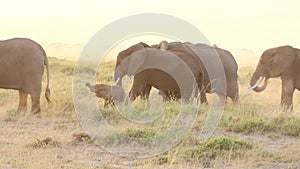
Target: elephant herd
{"x": 149, "y": 64}
{"x": 179, "y": 70}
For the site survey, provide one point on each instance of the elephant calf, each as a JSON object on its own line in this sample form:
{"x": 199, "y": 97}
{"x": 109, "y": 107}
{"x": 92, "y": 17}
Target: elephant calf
{"x": 111, "y": 94}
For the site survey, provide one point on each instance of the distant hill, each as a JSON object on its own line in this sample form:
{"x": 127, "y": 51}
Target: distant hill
{"x": 244, "y": 57}
{"x": 72, "y": 51}
{"x": 64, "y": 51}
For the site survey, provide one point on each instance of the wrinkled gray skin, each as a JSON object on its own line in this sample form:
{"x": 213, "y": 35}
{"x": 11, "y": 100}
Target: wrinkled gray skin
{"x": 122, "y": 56}
{"x": 230, "y": 69}
{"x": 22, "y": 64}
{"x": 111, "y": 94}
{"x": 283, "y": 62}
{"x": 132, "y": 61}
{"x": 209, "y": 54}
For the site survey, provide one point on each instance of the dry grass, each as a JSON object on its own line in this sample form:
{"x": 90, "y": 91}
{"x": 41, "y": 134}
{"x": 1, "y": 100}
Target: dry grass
{"x": 254, "y": 134}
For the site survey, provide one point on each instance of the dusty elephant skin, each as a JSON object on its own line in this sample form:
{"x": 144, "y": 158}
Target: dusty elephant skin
{"x": 230, "y": 69}
{"x": 283, "y": 62}
{"x": 123, "y": 55}
{"x": 142, "y": 61}
{"x": 111, "y": 94}
{"x": 22, "y": 64}
{"x": 229, "y": 64}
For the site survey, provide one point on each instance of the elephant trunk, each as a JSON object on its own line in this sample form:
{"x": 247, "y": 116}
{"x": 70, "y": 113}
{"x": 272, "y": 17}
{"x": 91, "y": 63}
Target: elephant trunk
{"x": 118, "y": 76}
{"x": 91, "y": 87}
{"x": 256, "y": 80}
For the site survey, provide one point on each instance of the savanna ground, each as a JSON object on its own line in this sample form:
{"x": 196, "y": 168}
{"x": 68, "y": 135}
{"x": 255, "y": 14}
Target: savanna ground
{"x": 254, "y": 134}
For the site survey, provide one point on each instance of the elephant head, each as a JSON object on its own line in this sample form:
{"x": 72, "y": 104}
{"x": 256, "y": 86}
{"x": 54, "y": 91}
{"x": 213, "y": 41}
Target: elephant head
{"x": 111, "y": 94}
{"x": 274, "y": 62}
{"x": 124, "y": 65}
{"x": 101, "y": 90}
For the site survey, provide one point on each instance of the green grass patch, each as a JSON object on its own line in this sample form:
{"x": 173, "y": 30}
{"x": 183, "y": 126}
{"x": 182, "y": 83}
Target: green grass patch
{"x": 251, "y": 119}
{"x": 286, "y": 125}
{"x": 140, "y": 133}
{"x": 218, "y": 147}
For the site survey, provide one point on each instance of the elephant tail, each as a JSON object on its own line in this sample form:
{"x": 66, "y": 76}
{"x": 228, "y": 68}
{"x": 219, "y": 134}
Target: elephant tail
{"x": 47, "y": 92}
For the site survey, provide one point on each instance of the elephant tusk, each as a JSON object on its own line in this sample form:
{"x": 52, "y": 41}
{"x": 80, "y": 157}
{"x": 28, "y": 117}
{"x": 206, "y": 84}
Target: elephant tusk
{"x": 256, "y": 84}
{"x": 117, "y": 81}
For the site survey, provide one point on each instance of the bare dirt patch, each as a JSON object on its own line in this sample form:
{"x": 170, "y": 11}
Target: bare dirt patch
{"x": 64, "y": 145}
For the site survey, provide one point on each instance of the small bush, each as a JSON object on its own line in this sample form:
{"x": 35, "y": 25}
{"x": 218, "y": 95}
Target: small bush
{"x": 286, "y": 125}
{"x": 249, "y": 126}
{"x": 45, "y": 143}
{"x": 137, "y": 133}
{"x": 81, "y": 137}
{"x": 213, "y": 148}
{"x": 162, "y": 159}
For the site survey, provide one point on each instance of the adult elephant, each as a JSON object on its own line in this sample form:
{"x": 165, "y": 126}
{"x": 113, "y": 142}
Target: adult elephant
{"x": 122, "y": 56}
{"x": 165, "y": 70}
{"x": 230, "y": 68}
{"x": 283, "y": 62}
{"x": 209, "y": 55}
{"x": 22, "y": 64}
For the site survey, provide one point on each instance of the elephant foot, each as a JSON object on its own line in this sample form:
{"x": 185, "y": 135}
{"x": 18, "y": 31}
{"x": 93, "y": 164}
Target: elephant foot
{"x": 36, "y": 111}
{"x": 287, "y": 108}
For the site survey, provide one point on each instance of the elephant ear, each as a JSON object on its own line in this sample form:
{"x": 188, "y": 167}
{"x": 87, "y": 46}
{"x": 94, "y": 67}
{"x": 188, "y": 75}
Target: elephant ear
{"x": 282, "y": 59}
{"x": 163, "y": 45}
{"x": 135, "y": 61}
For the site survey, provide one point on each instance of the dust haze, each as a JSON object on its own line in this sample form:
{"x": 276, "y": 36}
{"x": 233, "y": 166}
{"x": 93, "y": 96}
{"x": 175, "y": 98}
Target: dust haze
{"x": 244, "y": 57}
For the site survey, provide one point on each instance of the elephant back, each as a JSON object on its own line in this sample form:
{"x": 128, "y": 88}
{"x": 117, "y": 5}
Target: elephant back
{"x": 22, "y": 65}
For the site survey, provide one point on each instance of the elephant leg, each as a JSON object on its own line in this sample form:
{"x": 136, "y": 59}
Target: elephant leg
{"x": 111, "y": 102}
{"x": 168, "y": 96}
{"x": 287, "y": 94}
{"x": 163, "y": 95}
{"x": 233, "y": 91}
{"x": 133, "y": 94}
{"x": 106, "y": 103}
{"x": 146, "y": 92}
{"x": 137, "y": 89}
{"x": 203, "y": 99}
{"x": 174, "y": 96}
{"x": 234, "y": 98}
{"x": 22, "y": 101}
{"x": 222, "y": 99}
{"x": 35, "y": 107}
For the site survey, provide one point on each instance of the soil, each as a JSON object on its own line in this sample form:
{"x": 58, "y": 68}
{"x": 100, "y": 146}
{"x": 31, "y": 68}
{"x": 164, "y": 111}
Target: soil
{"x": 66, "y": 146}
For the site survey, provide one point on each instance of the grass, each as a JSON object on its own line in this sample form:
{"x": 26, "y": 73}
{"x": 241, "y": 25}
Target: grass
{"x": 12, "y": 116}
{"x": 251, "y": 120}
{"x": 140, "y": 133}
{"x": 44, "y": 143}
{"x": 258, "y": 114}
{"x": 219, "y": 147}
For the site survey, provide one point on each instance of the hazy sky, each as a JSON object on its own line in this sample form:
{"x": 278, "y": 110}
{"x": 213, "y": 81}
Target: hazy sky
{"x": 231, "y": 24}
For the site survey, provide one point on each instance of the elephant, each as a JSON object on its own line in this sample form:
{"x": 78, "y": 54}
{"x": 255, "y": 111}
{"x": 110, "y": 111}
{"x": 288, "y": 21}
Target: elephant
{"x": 230, "y": 67}
{"x": 123, "y": 55}
{"x": 283, "y": 62}
{"x": 163, "y": 70}
{"x": 111, "y": 94}
{"x": 22, "y": 64}
{"x": 209, "y": 54}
